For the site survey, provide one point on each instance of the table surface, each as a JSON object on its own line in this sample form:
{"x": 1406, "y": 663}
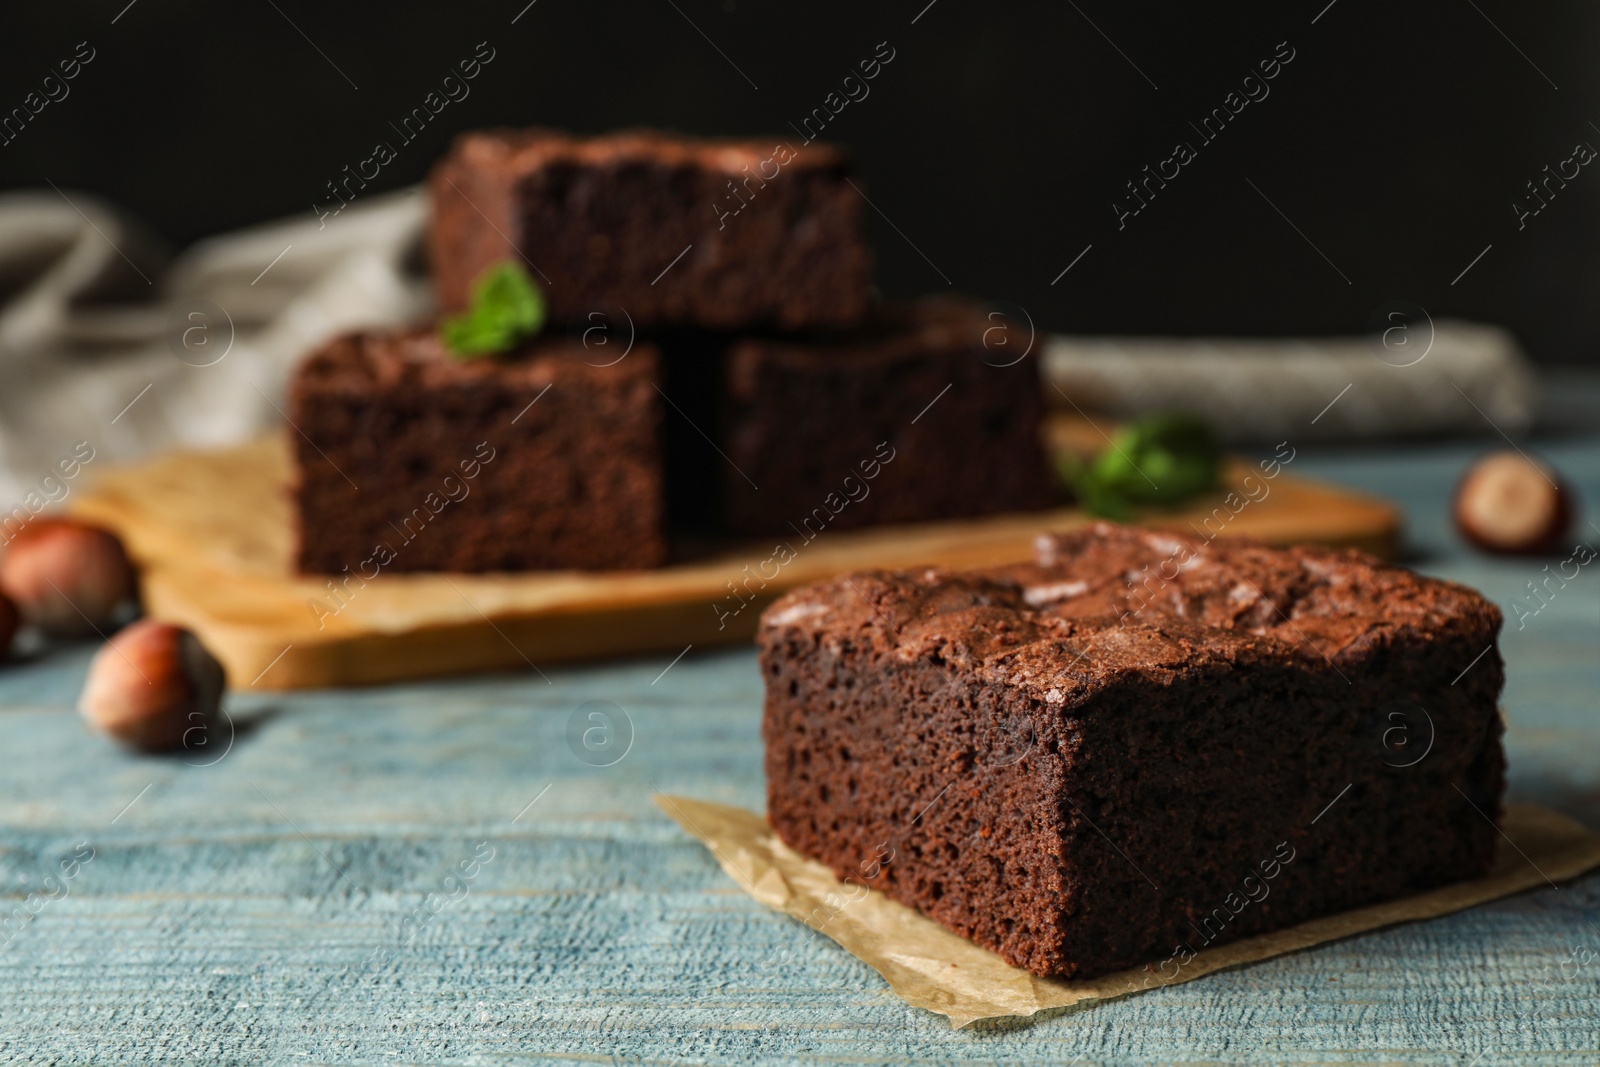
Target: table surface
{"x": 428, "y": 873}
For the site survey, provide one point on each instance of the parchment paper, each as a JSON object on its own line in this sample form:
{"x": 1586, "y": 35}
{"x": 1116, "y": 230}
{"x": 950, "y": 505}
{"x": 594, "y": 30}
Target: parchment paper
{"x": 930, "y": 967}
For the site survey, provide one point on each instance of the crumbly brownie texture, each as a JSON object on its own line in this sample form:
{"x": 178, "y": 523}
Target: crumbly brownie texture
{"x": 945, "y": 425}
{"x": 1103, "y": 759}
{"x": 767, "y": 234}
{"x": 449, "y": 468}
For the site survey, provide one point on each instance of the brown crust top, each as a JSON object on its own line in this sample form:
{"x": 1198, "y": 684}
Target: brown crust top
{"x": 524, "y": 150}
{"x": 416, "y": 356}
{"x": 1109, "y": 600}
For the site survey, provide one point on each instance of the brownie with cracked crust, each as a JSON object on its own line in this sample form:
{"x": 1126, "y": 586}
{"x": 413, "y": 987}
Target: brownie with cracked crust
{"x": 410, "y": 459}
{"x": 673, "y": 230}
{"x": 1139, "y": 745}
{"x": 932, "y": 411}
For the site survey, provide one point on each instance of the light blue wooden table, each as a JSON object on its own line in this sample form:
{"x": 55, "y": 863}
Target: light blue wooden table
{"x": 306, "y": 898}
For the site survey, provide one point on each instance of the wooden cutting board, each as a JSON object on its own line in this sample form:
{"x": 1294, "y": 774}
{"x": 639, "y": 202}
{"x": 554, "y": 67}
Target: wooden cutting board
{"x": 211, "y": 533}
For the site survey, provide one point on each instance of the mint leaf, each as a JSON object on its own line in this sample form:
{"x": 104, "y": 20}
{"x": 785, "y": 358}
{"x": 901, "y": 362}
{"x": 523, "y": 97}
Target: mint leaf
{"x": 507, "y": 308}
{"x": 1159, "y": 459}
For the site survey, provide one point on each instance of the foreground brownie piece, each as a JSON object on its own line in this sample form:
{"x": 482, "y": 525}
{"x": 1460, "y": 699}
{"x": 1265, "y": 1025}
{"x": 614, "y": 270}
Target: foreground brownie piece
{"x": 1141, "y": 745}
{"x": 411, "y": 460}
{"x": 675, "y": 231}
{"x": 913, "y": 418}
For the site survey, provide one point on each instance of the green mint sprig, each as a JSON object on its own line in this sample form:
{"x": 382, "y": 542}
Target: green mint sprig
{"x": 1159, "y": 459}
{"x": 507, "y": 308}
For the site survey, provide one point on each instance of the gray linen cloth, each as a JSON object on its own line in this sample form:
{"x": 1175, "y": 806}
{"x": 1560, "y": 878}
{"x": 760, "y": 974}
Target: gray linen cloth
{"x": 107, "y": 353}
{"x": 1436, "y": 378}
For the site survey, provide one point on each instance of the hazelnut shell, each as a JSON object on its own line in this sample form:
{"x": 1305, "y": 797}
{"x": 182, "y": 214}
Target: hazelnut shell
{"x": 152, "y": 686}
{"x": 1510, "y": 504}
{"x": 66, "y": 577}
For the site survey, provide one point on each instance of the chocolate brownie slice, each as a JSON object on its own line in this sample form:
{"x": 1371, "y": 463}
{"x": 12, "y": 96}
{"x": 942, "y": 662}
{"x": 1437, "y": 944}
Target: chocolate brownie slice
{"x": 931, "y": 412}
{"x": 674, "y": 231}
{"x": 1139, "y": 746}
{"x": 409, "y": 459}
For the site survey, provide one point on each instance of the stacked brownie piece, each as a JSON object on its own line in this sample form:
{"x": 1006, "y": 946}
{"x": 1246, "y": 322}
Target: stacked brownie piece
{"x": 426, "y": 463}
{"x": 1138, "y": 746}
{"x": 946, "y": 425}
{"x": 715, "y": 363}
{"x": 767, "y": 235}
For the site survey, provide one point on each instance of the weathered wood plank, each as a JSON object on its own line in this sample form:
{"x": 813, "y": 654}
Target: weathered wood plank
{"x": 237, "y": 912}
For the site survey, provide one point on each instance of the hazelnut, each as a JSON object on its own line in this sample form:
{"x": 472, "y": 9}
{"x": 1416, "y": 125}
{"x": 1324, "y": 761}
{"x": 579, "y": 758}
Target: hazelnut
{"x": 1514, "y": 505}
{"x": 67, "y": 578}
{"x": 9, "y": 621}
{"x": 152, "y": 686}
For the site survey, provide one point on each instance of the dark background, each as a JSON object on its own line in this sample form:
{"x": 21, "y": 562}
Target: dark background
{"x": 994, "y": 142}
